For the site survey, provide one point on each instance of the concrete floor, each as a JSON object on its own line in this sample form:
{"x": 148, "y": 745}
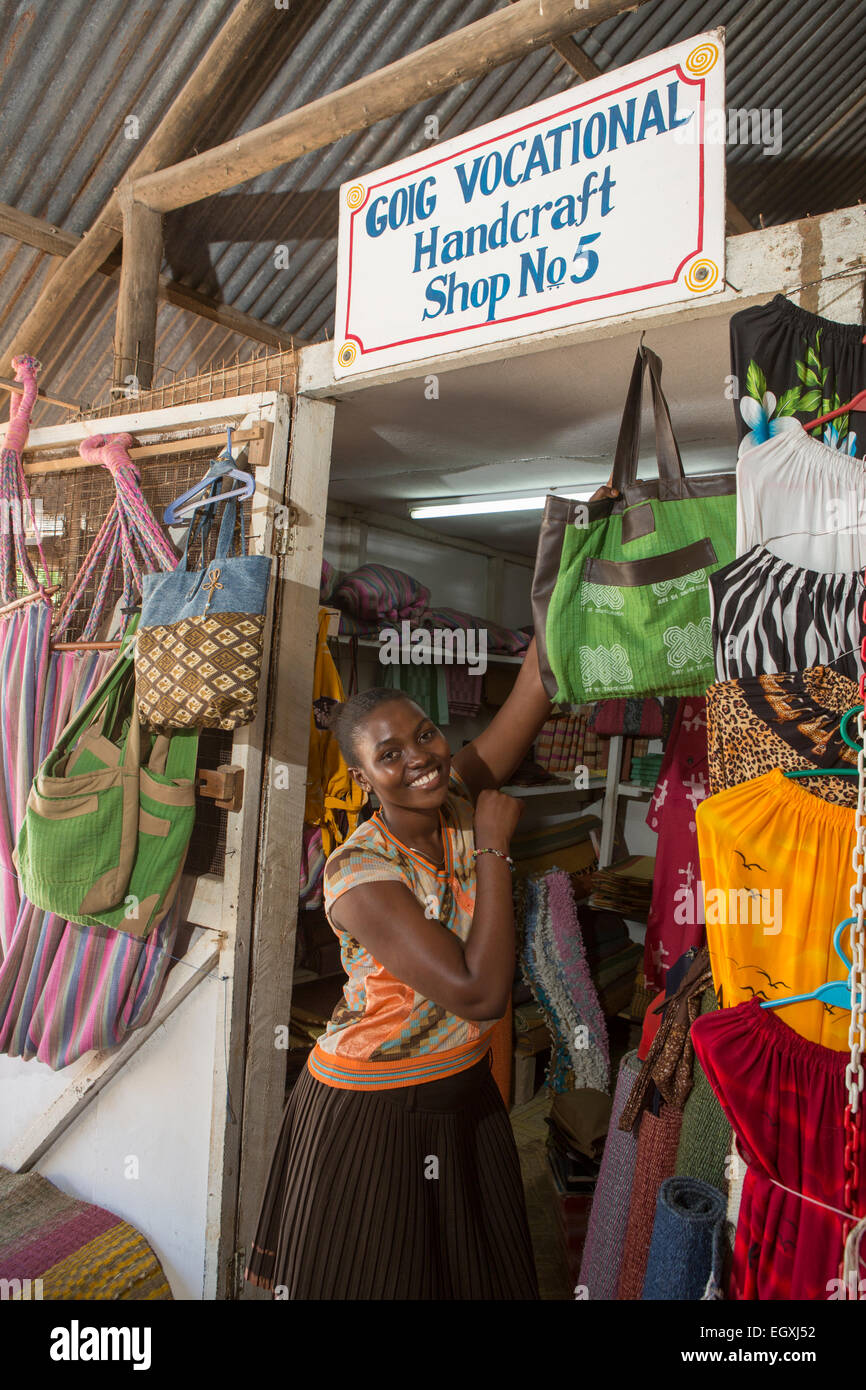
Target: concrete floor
{"x": 530, "y": 1133}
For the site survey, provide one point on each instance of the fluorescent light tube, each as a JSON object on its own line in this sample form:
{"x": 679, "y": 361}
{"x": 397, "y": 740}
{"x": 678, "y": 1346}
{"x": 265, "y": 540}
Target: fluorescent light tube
{"x": 480, "y": 506}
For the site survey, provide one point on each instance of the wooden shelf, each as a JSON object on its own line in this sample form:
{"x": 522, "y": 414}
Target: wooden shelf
{"x": 303, "y": 976}
{"x": 548, "y": 789}
{"x": 489, "y": 656}
{"x": 641, "y": 917}
{"x": 634, "y": 789}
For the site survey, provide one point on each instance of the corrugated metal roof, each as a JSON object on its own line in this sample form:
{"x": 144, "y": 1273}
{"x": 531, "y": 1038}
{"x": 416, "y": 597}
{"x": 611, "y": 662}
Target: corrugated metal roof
{"x": 73, "y": 74}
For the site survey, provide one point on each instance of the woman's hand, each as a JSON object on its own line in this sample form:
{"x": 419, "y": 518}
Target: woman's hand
{"x": 496, "y": 817}
{"x": 604, "y": 493}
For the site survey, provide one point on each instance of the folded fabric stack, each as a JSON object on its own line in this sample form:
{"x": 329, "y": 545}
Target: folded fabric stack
{"x": 567, "y": 845}
{"x": 305, "y": 1026}
{"x": 615, "y": 979}
{"x": 374, "y": 597}
{"x": 641, "y": 999}
{"x": 645, "y": 770}
{"x": 625, "y": 887}
{"x": 577, "y": 1124}
{"x": 463, "y": 692}
{"x": 506, "y": 640}
{"x": 423, "y": 684}
{"x": 355, "y": 627}
{"x": 612, "y": 956}
{"x": 380, "y": 593}
{"x": 566, "y": 742}
{"x": 529, "y": 774}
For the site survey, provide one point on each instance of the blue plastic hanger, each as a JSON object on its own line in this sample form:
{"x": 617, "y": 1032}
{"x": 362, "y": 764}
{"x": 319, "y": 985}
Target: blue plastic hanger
{"x": 835, "y": 992}
{"x": 181, "y": 509}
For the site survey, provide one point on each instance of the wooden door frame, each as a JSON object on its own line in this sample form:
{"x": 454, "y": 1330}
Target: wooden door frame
{"x": 282, "y": 814}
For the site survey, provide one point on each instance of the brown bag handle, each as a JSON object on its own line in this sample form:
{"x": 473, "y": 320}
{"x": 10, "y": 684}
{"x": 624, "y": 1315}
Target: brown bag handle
{"x": 670, "y": 467}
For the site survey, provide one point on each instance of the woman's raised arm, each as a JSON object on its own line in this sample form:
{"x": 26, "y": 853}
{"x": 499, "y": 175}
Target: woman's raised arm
{"x": 490, "y": 758}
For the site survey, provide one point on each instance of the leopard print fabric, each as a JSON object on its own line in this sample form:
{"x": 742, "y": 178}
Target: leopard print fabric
{"x": 788, "y": 720}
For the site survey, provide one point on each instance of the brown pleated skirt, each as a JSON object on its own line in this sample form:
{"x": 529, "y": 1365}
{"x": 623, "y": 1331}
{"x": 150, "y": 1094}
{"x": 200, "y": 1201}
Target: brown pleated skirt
{"x": 413, "y": 1193}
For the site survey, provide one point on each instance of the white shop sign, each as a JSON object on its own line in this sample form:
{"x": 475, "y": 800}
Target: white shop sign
{"x": 601, "y": 200}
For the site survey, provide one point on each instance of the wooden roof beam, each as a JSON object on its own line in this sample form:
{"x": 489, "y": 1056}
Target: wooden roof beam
{"x": 45, "y": 236}
{"x": 135, "y": 321}
{"x": 233, "y": 46}
{"x": 470, "y": 52}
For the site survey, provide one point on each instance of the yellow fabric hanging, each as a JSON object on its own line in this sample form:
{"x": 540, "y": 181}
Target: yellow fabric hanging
{"x": 330, "y": 787}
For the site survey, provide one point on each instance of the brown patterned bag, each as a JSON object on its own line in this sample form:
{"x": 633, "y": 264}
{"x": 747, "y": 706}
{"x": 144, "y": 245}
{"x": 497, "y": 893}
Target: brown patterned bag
{"x": 199, "y": 645}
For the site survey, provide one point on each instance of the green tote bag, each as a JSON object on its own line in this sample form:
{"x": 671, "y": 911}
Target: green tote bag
{"x": 77, "y": 844}
{"x": 620, "y": 598}
{"x": 166, "y": 816}
{"x": 106, "y": 832}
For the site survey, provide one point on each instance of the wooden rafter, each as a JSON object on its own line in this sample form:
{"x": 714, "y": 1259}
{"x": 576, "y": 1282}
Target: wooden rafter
{"x": 135, "y": 324}
{"x": 45, "y": 236}
{"x": 173, "y": 136}
{"x": 470, "y": 52}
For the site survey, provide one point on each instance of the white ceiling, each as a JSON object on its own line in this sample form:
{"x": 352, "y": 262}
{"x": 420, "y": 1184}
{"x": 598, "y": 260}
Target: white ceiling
{"x": 547, "y": 419}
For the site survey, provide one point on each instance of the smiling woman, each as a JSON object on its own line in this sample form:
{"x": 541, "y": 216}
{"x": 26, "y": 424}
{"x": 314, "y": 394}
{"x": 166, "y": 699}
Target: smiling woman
{"x": 396, "y": 1174}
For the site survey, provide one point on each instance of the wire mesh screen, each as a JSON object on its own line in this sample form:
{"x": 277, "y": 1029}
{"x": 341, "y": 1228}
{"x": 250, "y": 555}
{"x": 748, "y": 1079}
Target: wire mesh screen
{"x": 264, "y": 370}
{"x": 70, "y": 507}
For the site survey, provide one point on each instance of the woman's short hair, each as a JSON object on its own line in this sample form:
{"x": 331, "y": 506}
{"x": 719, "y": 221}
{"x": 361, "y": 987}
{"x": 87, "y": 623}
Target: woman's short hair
{"x": 348, "y": 715}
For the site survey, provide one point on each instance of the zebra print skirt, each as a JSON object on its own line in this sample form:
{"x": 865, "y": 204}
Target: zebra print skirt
{"x": 769, "y": 615}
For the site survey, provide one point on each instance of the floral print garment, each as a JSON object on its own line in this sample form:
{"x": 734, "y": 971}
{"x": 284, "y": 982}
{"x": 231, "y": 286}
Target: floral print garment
{"x": 788, "y": 367}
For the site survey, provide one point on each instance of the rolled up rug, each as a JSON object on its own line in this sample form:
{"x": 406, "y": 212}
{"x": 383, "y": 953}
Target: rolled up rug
{"x": 608, "y": 1218}
{"x": 658, "y": 1137}
{"x": 687, "y": 1247}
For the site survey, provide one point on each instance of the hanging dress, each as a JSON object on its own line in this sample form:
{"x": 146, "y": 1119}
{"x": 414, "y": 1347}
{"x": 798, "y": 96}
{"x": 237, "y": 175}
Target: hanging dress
{"x": 786, "y": 363}
{"x": 785, "y": 1098}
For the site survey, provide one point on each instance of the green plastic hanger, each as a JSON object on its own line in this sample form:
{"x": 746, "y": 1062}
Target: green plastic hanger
{"x": 843, "y": 727}
{"x": 835, "y": 771}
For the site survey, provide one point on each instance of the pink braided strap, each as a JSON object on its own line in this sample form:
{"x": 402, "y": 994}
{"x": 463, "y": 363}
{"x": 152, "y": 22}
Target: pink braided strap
{"x": 26, "y": 369}
{"x": 14, "y": 493}
{"x": 112, "y": 451}
{"x": 150, "y": 538}
{"x": 130, "y": 522}
{"x": 101, "y": 546}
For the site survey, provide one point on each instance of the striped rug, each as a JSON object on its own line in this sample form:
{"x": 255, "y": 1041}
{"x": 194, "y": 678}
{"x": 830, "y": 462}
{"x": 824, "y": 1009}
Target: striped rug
{"x": 55, "y": 1247}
